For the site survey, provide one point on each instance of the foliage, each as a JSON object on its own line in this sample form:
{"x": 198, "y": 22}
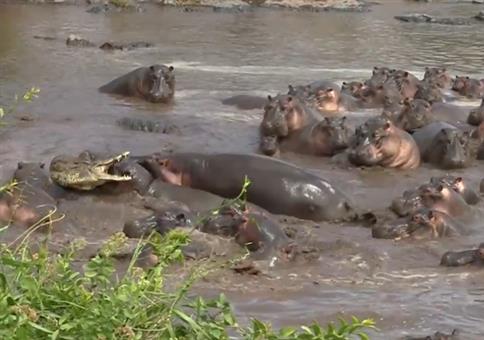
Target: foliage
{"x": 27, "y": 97}
{"x": 44, "y": 296}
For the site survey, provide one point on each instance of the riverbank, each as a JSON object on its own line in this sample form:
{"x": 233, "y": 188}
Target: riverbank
{"x": 236, "y": 5}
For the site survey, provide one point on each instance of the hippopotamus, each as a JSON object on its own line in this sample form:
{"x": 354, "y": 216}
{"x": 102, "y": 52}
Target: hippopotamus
{"x": 425, "y": 18}
{"x": 476, "y": 115}
{"x": 462, "y": 258}
{"x": 415, "y": 114}
{"x": 406, "y": 82}
{"x": 437, "y": 336}
{"x": 147, "y": 125}
{"x": 382, "y": 143}
{"x": 409, "y": 202}
{"x": 277, "y": 186}
{"x": 32, "y": 198}
{"x": 459, "y": 186}
{"x": 438, "y": 76}
{"x": 285, "y": 114}
{"x": 354, "y": 88}
{"x": 77, "y": 41}
{"x": 140, "y": 177}
{"x": 161, "y": 222}
{"x": 111, "y": 46}
{"x": 307, "y": 91}
{"x": 331, "y": 101}
{"x": 422, "y": 224}
{"x": 378, "y": 77}
{"x": 269, "y": 145}
{"x": 324, "y": 138}
{"x": 468, "y": 87}
{"x": 444, "y": 145}
{"x": 155, "y": 83}
{"x": 246, "y": 102}
{"x": 429, "y": 91}
{"x": 374, "y": 97}
{"x": 392, "y": 107}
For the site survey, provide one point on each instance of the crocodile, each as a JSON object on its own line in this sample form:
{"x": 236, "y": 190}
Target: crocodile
{"x": 85, "y": 172}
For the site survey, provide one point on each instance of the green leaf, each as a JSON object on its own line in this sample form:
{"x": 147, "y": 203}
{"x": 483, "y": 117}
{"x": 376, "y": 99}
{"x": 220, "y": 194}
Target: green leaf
{"x": 40, "y": 328}
{"x": 2, "y": 112}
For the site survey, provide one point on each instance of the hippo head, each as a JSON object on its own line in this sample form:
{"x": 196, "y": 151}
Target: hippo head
{"x": 331, "y": 134}
{"x": 161, "y": 222}
{"x": 456, "y": 183}
{"x": 459, "y": 83}
{"x": 454, "y": 147}
{"x": 379, "y": 76}
{"x": 438, "y": 76}
{"x": 160, "y": 80}
{"x": 30, "y": 170}
{"x": 429, "y": 92}
{"x": 369, "y": 140}
{"x": 274, "y": 122}
{"x": 226, "y": 222}
{"x": 415, "y": 114}
{"x": 301, "y": 91}
{"x": 422, "y": 224}
{"x": 354, "y": 88}
{"x": 269, "y": 145}
{"x": 409, "y": 203}
{"x": 392, "y": 106}
{"x": 476, "y": 116}
{"x": 327, "y": 100}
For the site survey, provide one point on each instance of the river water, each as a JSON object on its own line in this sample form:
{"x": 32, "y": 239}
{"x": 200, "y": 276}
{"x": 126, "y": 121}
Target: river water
{"x": 216, "y": 55}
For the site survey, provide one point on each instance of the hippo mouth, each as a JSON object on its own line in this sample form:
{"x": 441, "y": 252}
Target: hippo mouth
{"x": 86, "y": 174}
{"x": 161, "y": 90}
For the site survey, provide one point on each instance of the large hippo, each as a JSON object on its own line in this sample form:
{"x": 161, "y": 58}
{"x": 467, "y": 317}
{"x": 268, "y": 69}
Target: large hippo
{"x": 246, "y": 102}
{"x": 380, "y": 142}
{"x": 277, "y": 186}
{"x": 324, "y": 138}
{"x": 422, "y": 224}
{"x": 444, "y": 145}
{"x": 284, "y": 114}
{"x": 155, "y": 83}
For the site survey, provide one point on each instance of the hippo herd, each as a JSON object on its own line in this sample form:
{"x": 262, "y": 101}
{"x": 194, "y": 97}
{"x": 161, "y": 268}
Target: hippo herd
{"x": 418, "y": 123}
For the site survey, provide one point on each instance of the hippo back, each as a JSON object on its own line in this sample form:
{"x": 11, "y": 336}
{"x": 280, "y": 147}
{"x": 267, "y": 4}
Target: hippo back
{"x": 424, "y": 136}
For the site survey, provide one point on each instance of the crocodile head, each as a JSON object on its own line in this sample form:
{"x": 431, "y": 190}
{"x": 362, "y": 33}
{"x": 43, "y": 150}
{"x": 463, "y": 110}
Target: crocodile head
{"x": 85, "y": 172}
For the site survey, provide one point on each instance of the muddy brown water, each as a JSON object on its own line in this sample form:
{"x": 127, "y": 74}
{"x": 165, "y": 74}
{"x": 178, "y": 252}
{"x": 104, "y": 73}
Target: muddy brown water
{"x": 217, "y": 55}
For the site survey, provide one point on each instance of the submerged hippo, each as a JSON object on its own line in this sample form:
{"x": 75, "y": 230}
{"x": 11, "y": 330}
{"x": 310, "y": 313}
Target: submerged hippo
{"x": 415, "y": 114}
{"x": 331, "y": 101}
{"x": 380, "y": 142}
{"x": 155, "y": 83}
{"x": 246, "y": 102}
{"x": 354, "y": 88}
{"x": 324, "y": 138}
{"x": 438, "y": 76}
{"x": 269, "y": 145}
{"x": 307, "y": 91}
{"x": 444, "y": 145}
{"x": 277, "y": 186}
{"x": 454, "y": 335}
{"x": 476, "y": 116}
{"x": 462, "y": 258}
{"x": 422, "y": 224}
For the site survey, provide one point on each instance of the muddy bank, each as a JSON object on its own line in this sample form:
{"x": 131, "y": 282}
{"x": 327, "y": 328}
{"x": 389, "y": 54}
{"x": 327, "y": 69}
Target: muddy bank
{"x": 98, "y": 6}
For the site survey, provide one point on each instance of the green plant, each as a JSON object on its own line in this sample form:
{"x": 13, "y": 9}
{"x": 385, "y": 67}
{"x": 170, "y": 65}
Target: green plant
{"x": 27, "y": 97}
{"x": 43, "y": 296}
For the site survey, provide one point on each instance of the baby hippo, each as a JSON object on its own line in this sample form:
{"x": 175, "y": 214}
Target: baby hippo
{"x": 324, "y": 138}
{"x": 423, "y": 224}
{"x": 380, "y": 142}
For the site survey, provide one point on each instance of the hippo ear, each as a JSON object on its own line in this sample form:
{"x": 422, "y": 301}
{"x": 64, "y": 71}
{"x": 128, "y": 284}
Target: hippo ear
{"x": 291, "y": 88}
{"x": 407, "y": 101}
{"x": 444, "y": 69}
{"x": 406, "y": 74}
{"x": 343, "y": 119}
{"x": 344, "y": 83}
{"x": 171, "y": 68}
{"x": 42, "y": 165}
{"x": 289, "y": 99}
{"x": 20, "y": 165}
{"x": 387, "y": 125}
{"x": 458, "y": 180}
{"x": 269, "y": 98}
{"x": 327, "y": 120}
{"x": 152, "y": 68}
{"x": 467, "y": 77}
{"x": 440, "y": 188}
